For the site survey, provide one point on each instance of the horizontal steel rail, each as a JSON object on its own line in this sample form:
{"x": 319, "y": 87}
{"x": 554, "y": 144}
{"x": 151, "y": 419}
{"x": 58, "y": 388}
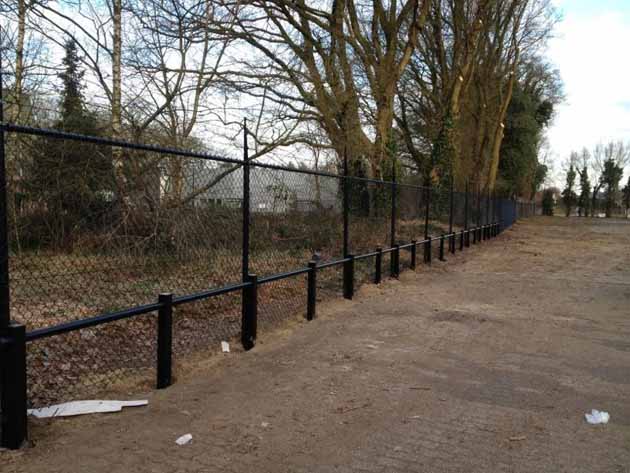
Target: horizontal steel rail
{"x": 210, "y": 293}
{"x": 330, "y": 264}
{"x": 366, "y": 256}
{"x": 280, "y": 276}
{"x": 90, "y": 322}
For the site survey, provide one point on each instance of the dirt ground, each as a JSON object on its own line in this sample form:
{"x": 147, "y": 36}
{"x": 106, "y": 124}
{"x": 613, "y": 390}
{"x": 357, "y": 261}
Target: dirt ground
{"x": 484, "y": 364}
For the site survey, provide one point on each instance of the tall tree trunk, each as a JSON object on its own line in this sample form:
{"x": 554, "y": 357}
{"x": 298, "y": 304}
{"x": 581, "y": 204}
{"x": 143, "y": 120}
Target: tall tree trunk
{"x": 14, "y": 164}
{"x": 499, "y": 127}
{"x": 116, "y": 119}
{"x": 19, "y": 60}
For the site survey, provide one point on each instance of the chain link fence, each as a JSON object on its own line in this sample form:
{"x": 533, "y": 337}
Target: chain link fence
{"x": 93, "y": 242}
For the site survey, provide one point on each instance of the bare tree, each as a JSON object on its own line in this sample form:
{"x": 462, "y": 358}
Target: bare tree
{"x": 431, "y": 90}
{"x": 336, "y": 64}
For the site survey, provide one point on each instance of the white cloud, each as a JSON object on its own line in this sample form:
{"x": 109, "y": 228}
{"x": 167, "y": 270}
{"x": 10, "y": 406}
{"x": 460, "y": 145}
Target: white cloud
{"x": 591, "y": 52}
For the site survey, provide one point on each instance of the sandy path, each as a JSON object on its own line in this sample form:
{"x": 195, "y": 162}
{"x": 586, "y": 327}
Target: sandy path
{"x": 485, "y": 364}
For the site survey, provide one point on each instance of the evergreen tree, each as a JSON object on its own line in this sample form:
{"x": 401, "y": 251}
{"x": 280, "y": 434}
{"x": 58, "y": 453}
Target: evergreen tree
{"x": 626, "y": 196}
{"x": 548, "y": 202}
{"x": 585, "y": 192}
{"x": 610, "y": 178}
{"x": 528, "y": 115}
{"x": 73, "y": 179}
{"x": 569, "y": 196}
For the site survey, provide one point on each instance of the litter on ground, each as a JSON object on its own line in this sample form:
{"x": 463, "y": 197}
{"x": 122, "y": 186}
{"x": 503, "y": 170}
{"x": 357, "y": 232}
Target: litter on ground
{"x": 76, "y": 408}
{"x": 225, "y": 347}
{"x": 184, "y": 439}
{"x": 597, "y": 417}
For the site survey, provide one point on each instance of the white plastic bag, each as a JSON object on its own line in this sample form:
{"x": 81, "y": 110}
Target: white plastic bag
{"x": 597, "y": 417}
{"x": 184, "y": 439}
{"x": 76, "y": 408}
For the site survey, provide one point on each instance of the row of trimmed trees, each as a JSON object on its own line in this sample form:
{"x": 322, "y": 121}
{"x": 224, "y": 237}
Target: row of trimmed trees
{"x": 593, "y": 181}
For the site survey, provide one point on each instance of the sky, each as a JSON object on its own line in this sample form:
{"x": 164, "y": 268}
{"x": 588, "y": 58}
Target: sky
{"x": 591, "y": 49}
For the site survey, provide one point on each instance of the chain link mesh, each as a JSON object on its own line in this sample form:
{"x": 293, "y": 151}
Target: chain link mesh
{"x": 81, "y": 246}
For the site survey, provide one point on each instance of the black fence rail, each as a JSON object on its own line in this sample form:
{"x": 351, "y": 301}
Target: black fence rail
{"x": 216, "y": 247}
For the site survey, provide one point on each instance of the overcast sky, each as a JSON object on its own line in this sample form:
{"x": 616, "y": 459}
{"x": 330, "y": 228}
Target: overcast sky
{"x": 592, "y": 52}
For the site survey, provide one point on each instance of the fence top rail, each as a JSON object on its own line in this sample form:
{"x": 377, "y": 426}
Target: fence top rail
{"x": 91, "y": 321}
{"x": 210, "y": 293}
{"x": 99, "y": 140}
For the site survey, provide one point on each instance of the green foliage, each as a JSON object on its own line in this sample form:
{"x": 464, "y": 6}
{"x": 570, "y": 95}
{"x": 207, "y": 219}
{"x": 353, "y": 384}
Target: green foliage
{"x": 569, "y": 197}
{"x": 443, "y": 153}
{"x": 584, "y": 199}
{"x": 548, "y": 202}
{"x": 520, "y": 173}
{"x": 626, "y": 195}
{"x": 71, "y": 182}
{"x": 539, "y": 177}
{"x": 610, "y": 178}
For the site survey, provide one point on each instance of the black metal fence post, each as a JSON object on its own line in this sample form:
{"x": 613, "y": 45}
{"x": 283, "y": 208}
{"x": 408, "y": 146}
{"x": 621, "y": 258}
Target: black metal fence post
{"x": 441, "y": 257}
{"x": 427, "y": 251}
{"x": 461, "y": 240}
{"x": 394, "y": 256}
{"x": 479, "y": 221}
{"x": 451, "y": 240}
{"x": 13, "y": 386}
{"x": 246, "y": 201}
{"x": 249, "y": 293}
{"x": 395, "y": 261}
{"x": 346, "y": 206}
{"x": 488, "y": 222}
{"x": 311, "y": 298}
{"x": 5, "y": 313}
{"x": 466, "y": 205}
{"x": 13, "y": 390}
{"x": 427, "y": 210}
{"x": 515, "y": 206}
{"x": 165, "y": 341}
{"x": 392, "y": 230}
{"x": 348, "y": 277}
{"x": 414, "y": 245}
{"x": 379, "y": 266}
{"x": 249, "y": 321}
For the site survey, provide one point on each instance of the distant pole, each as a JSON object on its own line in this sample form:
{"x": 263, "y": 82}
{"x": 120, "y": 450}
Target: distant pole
{"x": 450, "y": 213}
{"x": 478, "y": 204}
{"x": 451, "y": 216}
{"x": 246, "y": 198}
{"x": 466, "y": 208}
{"x": 466, "y": 205}
{"x": 346, "y": 205}
{"x": 5, "y": 314}
{"x": 427, "y": 209}
{"x": 394, "y": 210}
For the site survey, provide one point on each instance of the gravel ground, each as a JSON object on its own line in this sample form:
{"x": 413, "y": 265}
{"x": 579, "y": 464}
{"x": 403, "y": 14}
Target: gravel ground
{"x": 485, "y": 364}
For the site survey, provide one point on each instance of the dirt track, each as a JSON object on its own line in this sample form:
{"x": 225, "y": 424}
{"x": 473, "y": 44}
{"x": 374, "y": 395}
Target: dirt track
{"x": 485, "y": 364}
